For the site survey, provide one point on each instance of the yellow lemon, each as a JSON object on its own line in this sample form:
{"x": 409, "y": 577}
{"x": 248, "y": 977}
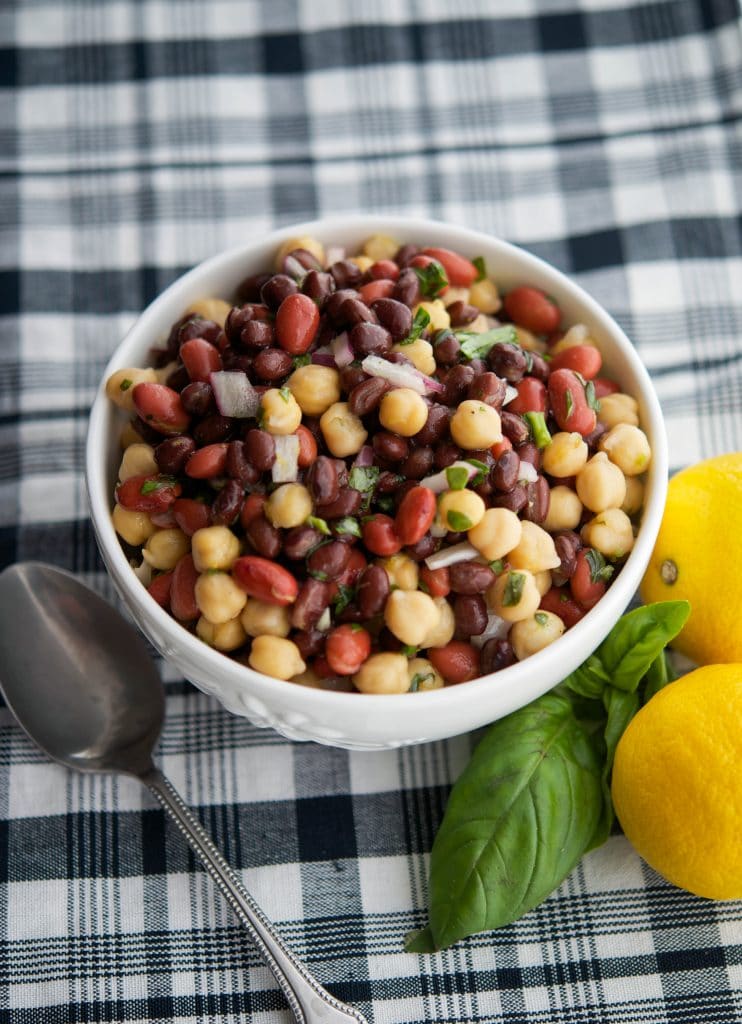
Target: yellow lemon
{"x": 677, "y": 782}
{"x": 698, "y": 556}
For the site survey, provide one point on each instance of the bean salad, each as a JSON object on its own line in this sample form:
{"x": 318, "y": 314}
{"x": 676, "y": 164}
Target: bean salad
{"x": 374, "y": 473}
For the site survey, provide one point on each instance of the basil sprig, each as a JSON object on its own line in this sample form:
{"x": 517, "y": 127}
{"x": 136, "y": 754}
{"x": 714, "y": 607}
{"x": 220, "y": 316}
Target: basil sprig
{"x": 432, "y": 278}
{"x": 476, "y": 346}
{"x": 536, "y": 794}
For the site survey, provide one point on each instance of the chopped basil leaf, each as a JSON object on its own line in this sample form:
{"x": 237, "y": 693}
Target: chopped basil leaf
{"x": 457, "y": 477}
{"x": 304, "y": 360}
{"x": 343, "y": 598}
{"x": 432, "y": 279}
{"x": 422, "y": 585}
{"x": 363, "y": 478}
{"x": 409, "y": 650}
{"x": 125, "y": 384}
{"x": 497, "y": 566}
{"x": 475, "y": 346}
{"x": 317, "y": 574}
{"x": 285, "y": 393}
{"x": 318, "y": 524}
{"x": 568, "y": 403}
{"x": 355, "y": 627}
{"x": 590, "y": 397}
{"x": 539, "y": 431}
{"x": 481, "y": 266}
{"x": 385, "y": 502}
{"x": 513, "y": 589}
{"x": 458, "y": 521}
{"x": 421, "y": 321}
{"x": 600, "y": 572}
{"x": 348, "y": 525}
{"x": 483, "y": 471}
{"x": 542, "y": 618}
{"x": 418, "y": 679}
{"x": 156, "y": 485}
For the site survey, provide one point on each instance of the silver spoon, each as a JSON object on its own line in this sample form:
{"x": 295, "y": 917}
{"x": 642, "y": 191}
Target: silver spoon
{"x": 86, "y": 691}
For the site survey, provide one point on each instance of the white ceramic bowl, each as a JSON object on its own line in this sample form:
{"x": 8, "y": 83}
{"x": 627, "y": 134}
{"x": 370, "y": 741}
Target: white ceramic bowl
{"x": 349, "y": 719}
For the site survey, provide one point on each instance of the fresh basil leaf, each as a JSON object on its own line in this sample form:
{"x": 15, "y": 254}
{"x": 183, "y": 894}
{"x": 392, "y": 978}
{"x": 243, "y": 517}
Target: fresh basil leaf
{"x": 600, "y": 571}
{"x": 157, "y": 485}
{"x": 363, "y": 478}
{"x": 481, "y": 266}
{"x": 285, "y": 394}
{"x": 518, "y": 820}
{"x": 343, "y": 598}
{"x": 637, "y": 639}
{"x": 421, "y": 321}
{"x": 318, "y": 524}
{"x": 409, "y": 650}
{"x": 347, "y": 525}
{"x": 475, "y": 346}
{"x": 125, "y": 384}
{"x": 458, "y": 521}
{"x": 590, "y": 397}
{"x": 304, "y": 360}
{"x": 420, "y": 941}
{"x": 432, "y": 278}
{"x": 620, "y": 706}
{"x": 483, "y": 470}
{"x": 590, "y": 679}
{"x": 457, "y": 477}
{"x": 659, "y": 674}
{"x": 513, "y": 589}
{"x": 569, "y": 403}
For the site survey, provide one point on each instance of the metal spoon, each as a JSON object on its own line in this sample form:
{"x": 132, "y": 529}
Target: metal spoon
{"x": 81, "y": 683}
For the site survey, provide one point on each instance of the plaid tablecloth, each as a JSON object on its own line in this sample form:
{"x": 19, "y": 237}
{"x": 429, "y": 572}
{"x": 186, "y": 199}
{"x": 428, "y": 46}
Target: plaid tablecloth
{"x": 139, "y": 136}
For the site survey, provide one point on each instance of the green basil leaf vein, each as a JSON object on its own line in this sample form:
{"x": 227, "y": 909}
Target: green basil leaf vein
{"x": 637, "y": 639}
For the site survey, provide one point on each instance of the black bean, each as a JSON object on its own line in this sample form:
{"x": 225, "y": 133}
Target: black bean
{"x": 373, "y": 590}
{"x": 538, "y": 497}
{"x": 470, "y": 614}
{"x": 233, "y": 359}
{"x": 514, "y": 427}
{"x": 390, "y": 447}
{"x": 529, "y": 452}
{"x": 567, "y": 544}
{"x": 311, "y": 601}
{"x": 424, "y": 548}
{"x": 310, "y": 642}
{"x": 249, "y": 289}
{"x": 171, "y": 455}
{"x": 592, "y": 439}
{"x": 388, "y": 483}
{"x": 405, "y": 253}
{"x": 264, "y": 537}
{"x": 276, "y": 289}
{"x": 504, "y": 474}
{"x": 496, "y": 654}
{"x": 462, "y": 313}
{"x": 445, "y": 454}
{"x": 260, "y": 449}
{"x": 370, "y": 339}
{"x": 539, "y": 367}
{"x": 407, "y": 288}
{"x": 366, "y": 395}
{"x": 322, "y": 480}
{"x": 418, "y": 463}
{"x": 488, "y": 388}
{"x": 514, "y": 499}
{"x": 395, "y": 316}
{"x": 272, "y": 364}
{"x": 305, "y": 260}
{"x": 508, "y": 361}
{"x": 145, "y": 431}
{"x": 470, "y": 577}
{"x": 178, "y": 379}
{"x": 238, "y": 466}
{"x": 227, "y": 505}
{"x": 351, "y": 376}
{"x": 435, "y": 427}
{"x": 213, "y": 429}
{"x": 199, "y": 327}
{"x": 456, "y": 384}
{"x": 446, "y": 348}
{"x": 318, "y": 286}
{"x": 355, "y": 311}
{"x": 300, "y": 540}
{"x": 329, "y": 561}
{"x": 347, "y": 503}
{"x": 346, "y": 274}
{"x": 198, "y": 398}
{"x": 257, "y": 334}
{"x": 334, "y": 303}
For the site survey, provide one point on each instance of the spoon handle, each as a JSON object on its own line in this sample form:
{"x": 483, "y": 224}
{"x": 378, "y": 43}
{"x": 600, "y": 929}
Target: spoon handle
{"x": 309, "y": 1001}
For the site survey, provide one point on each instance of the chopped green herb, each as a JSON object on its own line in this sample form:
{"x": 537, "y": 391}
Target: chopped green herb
{"x": 348, "y": 525}
{"x": 600, "y": 571}
{"x": 157, "y": 485}
{"x": 457, "y": 477}
{"x": 385, "y": 502}
{"x": 318, "y": 524}
{"x": 213, "y": 572}
{"x": 317, "y": 574}
{"x": 432, "y": 279}
{"x": 125, "y": 384}
{"x": 476, "y": 346}
{"x": 304, "y": 360}
{"x": 363, "y": 478}
{"x": 539, "y": 431}
{"x": 418, "y": 679}
{"x": 421, "y": 321}
{"x": 542, "y": 618}
{"x": 424, "y": 587}
{"x": 481, "y": 266}
{"x": 409, "y": 651}
{"x": 590, "y": 397}
{"x": 285, "y": 394}
{"x": 497, "y": 566}
{"x": 458, "y": 521}
{"x": 355, "y": 627}
{"x": 568, "y": 403}
{"x": 483, "y": 471}
{"x": 343, "y": 598}
{"x": 513, "y": 589}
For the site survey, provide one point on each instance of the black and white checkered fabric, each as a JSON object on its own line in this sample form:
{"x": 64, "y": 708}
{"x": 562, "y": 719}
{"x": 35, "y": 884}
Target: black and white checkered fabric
{"x": 139, "y": 136}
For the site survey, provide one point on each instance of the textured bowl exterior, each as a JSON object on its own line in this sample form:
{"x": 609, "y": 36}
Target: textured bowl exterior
{"x": 351, "y": 720}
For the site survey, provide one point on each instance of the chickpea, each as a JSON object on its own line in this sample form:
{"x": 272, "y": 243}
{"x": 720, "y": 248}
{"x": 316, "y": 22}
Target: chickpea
{"x": 618, "y": 408}
{"x": 308, "y": 678}
{"x": 420, "y": 354}
{"x": 315, "y": 388}
{"x": 444, "y": 629}
{"x": 410, "y": 615}
{"x": 120, "y": 385}
{"x": 565, "y": 509}
{"x": 610, "y": 533}
{"x": 380, "y": 247}
{"x": 281, "y": 414}
{"x": 600, "y": 484}
{"x": 535, "y": 551}
{"x": 627, "y": 447}
{"x": 485, "y": 296}
{"x": 423, "y": 676}
{"x": 312, "y": 245}
{"x": 289, "y": 505}
{"x": 543, "y": 581}
{"x": 533, "y": 634}
{"x": 565, "y": 455}
{"x": 460, "y": 510}
{"x": 210, "y": 309}
{"x": 262, "y": 619}
{"x": 275, "y": 656}
{"x": 343, "y": 431}
{"x": 219, "y": 597}
{"x": 578, "y": 334}
{"x": 402, "y": 571}
{"x": 475, "y": 426}
{"x": 223, "y": 636}
{"x": 165, "y": 548}
{"x": 214, "y": 547}
{"x": 479, "y": 325}
{"x": 383, "y": 673}
{"x": 129, "y": 436}
{"x": 403, "y": 412}
{"x": 362, "y": 262}
{"x": 514, "y": 595}
{"x": 496, "y": 533}
{"x": 440, "y": 318}
{"x": 634, "y": 499}
{"x": 139, "y": 459}
{"x": 455, "y": 295}
{"x": 528, "y": 340}
{"x": 133, "y": 527}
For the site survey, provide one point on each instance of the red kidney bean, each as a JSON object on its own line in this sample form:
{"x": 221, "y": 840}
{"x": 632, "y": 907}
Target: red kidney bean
{"x": 445, "y": 454}
{"x": 160, "y": 587}
{"x": 373, "y": 591}
{"x": 514, "y": 428}
{"x": 172, "y": 454}
{"x": 460, "y": 271}
{"x": 329, "y": 561}
{"x": 373, "y": 290}
{"x": 276, "y": 289}
{"x": 415, "y": 515}
{"x": 504, "y": 474}
{"x": 438, "y": 581}
{"x": 457, "y": 662}
{"x": 538, "y": 497}
{"x": 207, "y": 462}
{"x": 260, "y": 449}
{"x": 462, "y": 313}
{"x": 161, "y": 408}
{"x": 144, "y": 493}
{"x": 200, "y": 359}
{"x": 604, "y": 387}
{"x": 532, "y": 309}
{"x": 423, "y": 548}
{"x": 265, "y": 580}
{"x": 508, "y": 361}
{"x": 370, "y": 339}
{"x": 297, "y": 321}
{"x": 318, "y": 285}
{"x": 470, "y": 614}
{"x": 198, "y": 327}
{"x": 380, "y": 536}
{"x": 300, "y": 540}
{"x": 253, "y": 507}
{"x": 559, "y": 601}
{"x": 456, "y": 384}
{"x": 197, "y": 398}
{"x": 346, "y": 274}
{"x": 264, "y": 537}
{"x": 257, "y": 334}
{"x": 347, "y": 648}
{"x": 238, "y": 467}
{"x": 191, "y": 515}
{"x": 310, "y": 642}
{"x": 347, "y": 503}
{"x": 366, "y": 395}
{"x": 307, "y": 447}
{"x": 272, "y": 365}
{"x": 470, "y": 577}
{"x": 585, "y": 592}
{"x": 514, "y": 499}
{"x": 435, "y": 427}
{"x": 213, "y": 429}
{"x": 531, "y": 396}
{"x": 390, "y": 447}
{"x": 322, "y": 480}
{"x": 312, "y": 599}
{"x": 227, "y": 505}
{"x": 395, "y": 316}
{"x": 353, "y": 311}
{"x": 568, "y": 403}
{"x": 488, "y": 388}
{"x": 496, "y": 655}
{"x": 418, "y": 463}
{"x": 183, "y": 591}
{"x": 407, "y": 288}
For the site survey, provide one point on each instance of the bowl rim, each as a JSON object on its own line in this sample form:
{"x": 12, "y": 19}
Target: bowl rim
{"x": 522, "y": 677}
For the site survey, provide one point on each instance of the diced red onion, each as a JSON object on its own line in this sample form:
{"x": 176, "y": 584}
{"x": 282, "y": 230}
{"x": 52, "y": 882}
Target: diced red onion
{"x": 400, "y": 375}
{"x": 286, "y": 467}
{"x": 235, "y": 396}
{"x": 143, "y": 572}
{"x": 510, "y": 394}
{"x": 323, "y": 357}
{"x": 438, "y": 482}
{"x": 365, "y": 457}
{"x": 333, "y": 254}
{"x": 324, "y": 622}
{"x": 496, "y": 629}
{"x": 438, "y": 531}
{"x": 342, "y": 351}
{"x": 463, "y": 552}
{"x": 527, "y": 472}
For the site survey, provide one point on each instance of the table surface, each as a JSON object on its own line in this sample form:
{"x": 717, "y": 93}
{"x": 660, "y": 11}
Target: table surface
{"x": 140, "y": 137}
